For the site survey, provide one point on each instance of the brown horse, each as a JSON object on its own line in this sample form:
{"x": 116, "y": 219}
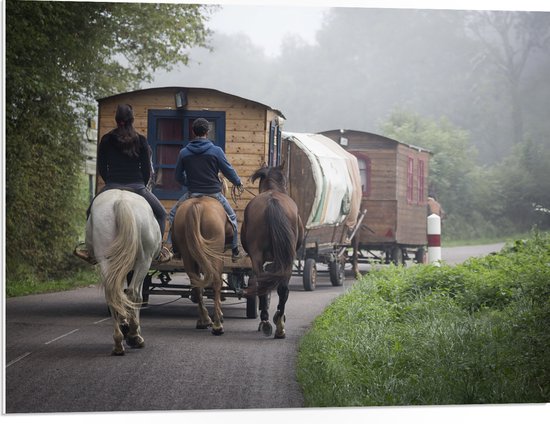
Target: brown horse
{"x": 200, "y": 231}
{"x": 271, "y": 233}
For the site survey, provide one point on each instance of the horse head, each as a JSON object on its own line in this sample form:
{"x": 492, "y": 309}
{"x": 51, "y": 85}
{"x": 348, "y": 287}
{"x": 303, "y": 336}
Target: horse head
{"x": 271, "y": 178}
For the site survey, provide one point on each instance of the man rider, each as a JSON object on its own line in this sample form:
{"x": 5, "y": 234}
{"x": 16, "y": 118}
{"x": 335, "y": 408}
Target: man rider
{"x": 197, "y": 168}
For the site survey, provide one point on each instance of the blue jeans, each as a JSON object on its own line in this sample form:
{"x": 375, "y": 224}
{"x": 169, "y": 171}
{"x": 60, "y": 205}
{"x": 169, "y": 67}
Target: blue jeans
{"x": 221, "y": 198}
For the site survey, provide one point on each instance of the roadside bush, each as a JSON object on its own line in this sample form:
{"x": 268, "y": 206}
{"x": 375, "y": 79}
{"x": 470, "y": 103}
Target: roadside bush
{"x": 475, "y": 333}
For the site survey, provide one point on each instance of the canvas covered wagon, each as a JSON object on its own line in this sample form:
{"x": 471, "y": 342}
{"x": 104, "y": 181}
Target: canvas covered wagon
{"x": 394, "y": 188}
{"x": 324, "y": 181}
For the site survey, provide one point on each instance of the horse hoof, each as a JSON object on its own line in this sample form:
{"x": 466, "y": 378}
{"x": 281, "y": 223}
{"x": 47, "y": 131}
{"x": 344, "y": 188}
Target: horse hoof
{"x": 217, "y": 331}
{"x": 266, "y": 328}
{"x": 117, "y": 352}
{"x": 202, "y": 326}
{"x": 280, "y": 336}
{"x": 136, "y": 342}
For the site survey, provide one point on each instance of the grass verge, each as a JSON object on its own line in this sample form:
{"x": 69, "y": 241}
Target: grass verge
{"x": 475, "y": 333}
{"x": 31, "y": 285}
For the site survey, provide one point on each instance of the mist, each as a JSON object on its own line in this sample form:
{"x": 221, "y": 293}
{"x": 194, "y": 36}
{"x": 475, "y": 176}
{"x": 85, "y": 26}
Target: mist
{"x": 368, "y": 63}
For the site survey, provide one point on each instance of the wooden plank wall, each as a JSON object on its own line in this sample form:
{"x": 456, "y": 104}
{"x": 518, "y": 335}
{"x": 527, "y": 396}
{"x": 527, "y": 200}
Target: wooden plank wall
{"x": 247, "y": 128}
{"x": 380, "y": 223}
{"x": 390, "y": 218}
{"x": 411, "y": 216}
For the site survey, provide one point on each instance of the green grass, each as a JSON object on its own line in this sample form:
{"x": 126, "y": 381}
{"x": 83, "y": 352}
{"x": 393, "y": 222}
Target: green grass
{"x": 31, "y": 285}
{"x": 445, "y": 242}
{"x": 476, "y": 333}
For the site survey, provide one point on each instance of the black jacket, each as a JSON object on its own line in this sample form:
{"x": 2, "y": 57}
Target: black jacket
{"x": 116, "y": 167}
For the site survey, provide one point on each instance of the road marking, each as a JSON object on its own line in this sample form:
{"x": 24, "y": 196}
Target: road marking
{"x": 18, "y": 359}
{"x": 60, "y": 337}
{"x": 101, "y": 320}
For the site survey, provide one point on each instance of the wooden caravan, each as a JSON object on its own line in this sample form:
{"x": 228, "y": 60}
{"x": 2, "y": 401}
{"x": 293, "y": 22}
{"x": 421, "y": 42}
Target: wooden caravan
{"x": 249, "y": 132}
{"x": 394, "y": 184}
{"x": 324, "y": 181}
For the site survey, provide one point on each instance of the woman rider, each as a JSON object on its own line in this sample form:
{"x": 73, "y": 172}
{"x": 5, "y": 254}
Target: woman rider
{"x": 124, "y": 162}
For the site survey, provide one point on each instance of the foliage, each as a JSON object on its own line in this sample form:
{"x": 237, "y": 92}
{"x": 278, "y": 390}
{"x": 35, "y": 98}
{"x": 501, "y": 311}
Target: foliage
{"x": 59, "y": 56}
{"x": 452, "y": 166}
{"x": 453, "y": 156}
{"x": 437, "y": 335}
{"x": 31, "y": 285}
{"x": 480, "y": 201}
{"x": 462, "y": 83}
{"x": 524, "y": 184}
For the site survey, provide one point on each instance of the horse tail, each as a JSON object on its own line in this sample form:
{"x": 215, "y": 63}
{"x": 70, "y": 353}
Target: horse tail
{"x": 121, "y": 258}
{"x": 200, "y": 248}
{"x": 283, "y": 242}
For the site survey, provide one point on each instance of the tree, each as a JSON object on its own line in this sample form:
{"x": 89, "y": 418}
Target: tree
{"x": 453, "y": 157}
{"x": 509, "y": 40}
{"x": 452, "y": 165}
{"x": 524, "y": 186}
{"x": 59, "y": 57}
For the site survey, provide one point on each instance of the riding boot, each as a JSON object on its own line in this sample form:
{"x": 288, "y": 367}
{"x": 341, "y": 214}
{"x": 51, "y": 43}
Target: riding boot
{"x": 164, "y": 256}
{"x": 81, "y": 252}
{"x": 237, "y": 254}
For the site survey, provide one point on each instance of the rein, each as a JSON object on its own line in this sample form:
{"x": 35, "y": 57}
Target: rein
{"x": 250, "y": 192}
{"x": 236, "y": 194}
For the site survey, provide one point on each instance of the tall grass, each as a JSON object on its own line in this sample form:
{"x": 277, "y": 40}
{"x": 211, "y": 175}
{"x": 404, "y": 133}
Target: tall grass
{"x": 476, "y": 333}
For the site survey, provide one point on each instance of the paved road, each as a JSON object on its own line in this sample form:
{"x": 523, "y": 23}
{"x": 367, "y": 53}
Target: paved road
{"x": 58, "y": 346}
{"x": 455, "y": 255}
{"x": 58, "y": 354}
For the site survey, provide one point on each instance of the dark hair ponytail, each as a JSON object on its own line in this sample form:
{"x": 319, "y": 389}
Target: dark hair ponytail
{"x": 127, "y": 137}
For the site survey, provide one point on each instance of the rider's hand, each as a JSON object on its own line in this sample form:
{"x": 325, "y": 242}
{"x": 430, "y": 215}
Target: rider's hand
{"x": 240, "y": 187}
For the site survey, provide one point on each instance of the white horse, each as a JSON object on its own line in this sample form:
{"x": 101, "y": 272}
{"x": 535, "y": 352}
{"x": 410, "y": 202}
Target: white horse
{"x": 124, "y": 237}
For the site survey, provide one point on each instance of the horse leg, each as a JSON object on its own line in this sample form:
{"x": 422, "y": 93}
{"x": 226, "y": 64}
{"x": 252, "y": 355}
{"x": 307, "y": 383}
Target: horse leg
{"x": 118, "y": 336}
{"x": 279, "y": 317}
{"x": 257, "y": 265}
{"x": 204, "y": 320}
{"x": 133, "y": 337}
{"x": 265, "y": 325}
{"x": 217, "y": 326}
{"x": 120, "y": 323}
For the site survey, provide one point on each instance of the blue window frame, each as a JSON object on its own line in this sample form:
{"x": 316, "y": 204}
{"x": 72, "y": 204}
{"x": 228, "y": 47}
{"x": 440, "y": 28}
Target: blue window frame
{"x": 274, "y": 158}
{"x": 169, "y": 131}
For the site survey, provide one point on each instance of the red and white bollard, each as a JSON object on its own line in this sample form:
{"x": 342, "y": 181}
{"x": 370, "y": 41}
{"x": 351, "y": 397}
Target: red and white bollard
{"x": 434, "y": 239}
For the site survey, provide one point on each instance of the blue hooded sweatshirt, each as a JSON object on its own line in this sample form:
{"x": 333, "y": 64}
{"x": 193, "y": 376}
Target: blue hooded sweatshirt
{"x": 198, "y": 166}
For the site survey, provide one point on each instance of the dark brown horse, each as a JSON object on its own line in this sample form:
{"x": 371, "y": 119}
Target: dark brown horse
{"x": 200, "y": 231}
{"x": 271, "y": 233}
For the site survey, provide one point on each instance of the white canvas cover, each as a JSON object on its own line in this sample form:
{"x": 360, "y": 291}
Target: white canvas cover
{"x": 355, "y": 177}
{"x": 337, "y": 194}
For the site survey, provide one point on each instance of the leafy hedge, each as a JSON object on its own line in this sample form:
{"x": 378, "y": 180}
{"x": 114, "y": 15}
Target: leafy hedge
{"x": 475, "y": 333}
{"x": 60, "y": 56}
